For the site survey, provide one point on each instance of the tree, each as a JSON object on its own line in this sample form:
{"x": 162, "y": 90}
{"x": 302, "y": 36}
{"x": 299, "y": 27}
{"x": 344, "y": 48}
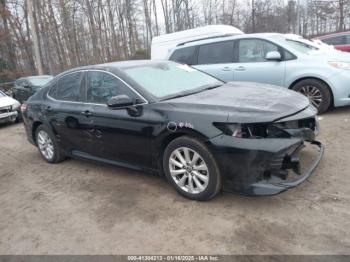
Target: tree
{"x": 35, "y": 37}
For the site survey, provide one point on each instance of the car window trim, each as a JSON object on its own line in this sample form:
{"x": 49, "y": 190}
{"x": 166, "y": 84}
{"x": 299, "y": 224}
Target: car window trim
{"x": 84, "y": 71}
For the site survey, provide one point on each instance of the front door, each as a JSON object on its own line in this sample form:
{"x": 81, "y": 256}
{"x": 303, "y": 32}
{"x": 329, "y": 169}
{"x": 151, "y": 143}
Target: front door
{"x": 120, "y": 135}
{"x": 253, "y": 66}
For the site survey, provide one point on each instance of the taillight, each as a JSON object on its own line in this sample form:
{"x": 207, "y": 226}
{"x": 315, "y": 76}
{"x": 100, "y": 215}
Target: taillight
{"x": 23, "y": 108}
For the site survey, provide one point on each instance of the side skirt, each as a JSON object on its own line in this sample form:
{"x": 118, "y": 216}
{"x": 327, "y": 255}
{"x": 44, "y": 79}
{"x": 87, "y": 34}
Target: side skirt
{"x": 86, "y": 156}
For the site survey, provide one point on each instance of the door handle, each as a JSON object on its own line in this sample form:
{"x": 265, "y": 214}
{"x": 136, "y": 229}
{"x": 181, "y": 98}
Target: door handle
{"x": 86, "y": 113}
{"x": 226, "y": 68}
{"x": 240, "y": 68}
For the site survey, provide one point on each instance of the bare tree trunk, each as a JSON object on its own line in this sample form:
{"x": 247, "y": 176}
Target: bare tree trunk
{"x": 35, "y": 37}
{"x": 4, "y": 13}
{"x": 115, "y": 44}
{"x": 341, "y": 16}
{"x": 253, "y": 16}
{"x": 155, "y": 17}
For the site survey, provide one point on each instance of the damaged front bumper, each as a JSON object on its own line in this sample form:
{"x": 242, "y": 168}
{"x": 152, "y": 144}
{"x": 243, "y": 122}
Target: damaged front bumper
{"x": 279, "y": 181}
{"x": 260, "y": 167}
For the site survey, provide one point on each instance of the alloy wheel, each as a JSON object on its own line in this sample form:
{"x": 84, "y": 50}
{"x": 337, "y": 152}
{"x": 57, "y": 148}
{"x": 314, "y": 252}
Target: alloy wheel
{"x": 45, "y": 145}
{"x": 313, "y": 94}
{"x": 188, "y": 170}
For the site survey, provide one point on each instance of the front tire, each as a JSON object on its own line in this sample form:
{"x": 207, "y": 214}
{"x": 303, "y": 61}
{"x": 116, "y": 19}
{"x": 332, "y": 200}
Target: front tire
{"x": 317, "y": 92}
{"x": 47, "y": 144}
{"x": 191, "y": 168}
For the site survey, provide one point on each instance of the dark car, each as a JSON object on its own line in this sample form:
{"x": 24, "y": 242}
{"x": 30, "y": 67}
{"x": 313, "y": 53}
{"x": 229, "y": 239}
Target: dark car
{"x": 25, "y": 87}
{"x": 340, "y": 41}
{"x": 203, "y": 134}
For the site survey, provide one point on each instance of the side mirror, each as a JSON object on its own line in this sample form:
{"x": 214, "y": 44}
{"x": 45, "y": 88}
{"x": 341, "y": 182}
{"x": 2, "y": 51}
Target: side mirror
{"x": 120, "y": 101}
{"x": 273, "y": 56}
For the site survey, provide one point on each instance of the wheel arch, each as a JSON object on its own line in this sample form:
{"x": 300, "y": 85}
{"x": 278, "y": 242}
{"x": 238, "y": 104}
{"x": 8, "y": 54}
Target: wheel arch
{"x": 167, "y": 139}
{"x": 314, "y": 78}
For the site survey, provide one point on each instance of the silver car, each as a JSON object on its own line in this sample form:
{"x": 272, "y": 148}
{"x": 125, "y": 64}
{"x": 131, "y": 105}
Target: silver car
{"x": 324, "y": 77}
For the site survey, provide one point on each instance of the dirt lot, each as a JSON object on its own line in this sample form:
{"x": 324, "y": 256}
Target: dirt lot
{"x": 78, "y": 207}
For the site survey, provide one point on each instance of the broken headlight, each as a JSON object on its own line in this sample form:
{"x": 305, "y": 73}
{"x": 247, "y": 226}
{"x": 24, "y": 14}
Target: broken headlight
{"x": 259, "y": 130}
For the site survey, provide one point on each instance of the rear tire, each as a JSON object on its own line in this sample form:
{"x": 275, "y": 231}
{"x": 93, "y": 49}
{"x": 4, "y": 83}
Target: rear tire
{"x": 192, "y": 169}
{"x": 317, "y": 91}
{"x": 47, "y": 144}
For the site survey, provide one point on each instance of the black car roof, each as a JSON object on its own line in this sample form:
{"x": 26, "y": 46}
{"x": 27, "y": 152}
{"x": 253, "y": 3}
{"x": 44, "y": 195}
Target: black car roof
{"x": 117, "y": 69}
{"x": 116, "y": 65}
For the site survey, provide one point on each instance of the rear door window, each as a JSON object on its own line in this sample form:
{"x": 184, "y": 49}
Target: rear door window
{"x": 184, "y": 55}
{"x": 68, "y": 87}
{"x": 216, "y": 53}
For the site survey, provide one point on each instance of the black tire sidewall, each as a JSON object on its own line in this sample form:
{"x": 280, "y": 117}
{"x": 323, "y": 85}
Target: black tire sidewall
{"x": 214, "y": 184}
{"x": 322, "y": 87}
{"x": 57, "y": 156}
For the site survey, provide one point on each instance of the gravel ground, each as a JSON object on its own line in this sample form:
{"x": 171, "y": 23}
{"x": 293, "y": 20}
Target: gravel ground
{"x": 79, "y": 207}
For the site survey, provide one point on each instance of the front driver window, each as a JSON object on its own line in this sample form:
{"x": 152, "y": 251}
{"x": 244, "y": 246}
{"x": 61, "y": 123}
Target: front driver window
{"x": 102, "y": 86}
{"x": 254, "y": 50}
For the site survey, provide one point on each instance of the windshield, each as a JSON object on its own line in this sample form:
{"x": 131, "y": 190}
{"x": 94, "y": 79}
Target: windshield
{"x": 40, "y": 81}
{"x": 165, "y": 79}
{"x": 2, "y": 94}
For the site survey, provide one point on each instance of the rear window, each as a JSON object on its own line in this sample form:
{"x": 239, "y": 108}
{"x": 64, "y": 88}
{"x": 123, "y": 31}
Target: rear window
{"x": 67, "y": 87}
{"x": 184, "y": 55}
{"x": 348, "y": 39}
{"x": 338, "y": 40}
{"x": 216, "y": 53}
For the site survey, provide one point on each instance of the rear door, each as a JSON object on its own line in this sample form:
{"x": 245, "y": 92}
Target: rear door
{"x": 69, "y": 116}
{"x": 216, "y": 59}
{"x": 252, "y": 65}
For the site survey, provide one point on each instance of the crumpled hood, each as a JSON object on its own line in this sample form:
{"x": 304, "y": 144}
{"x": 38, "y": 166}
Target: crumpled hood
{"x": 8, "y": 101}
{"x": 246, "y": 102}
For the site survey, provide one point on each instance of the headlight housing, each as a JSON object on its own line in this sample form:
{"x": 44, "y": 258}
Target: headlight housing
{"x": 255, "y": 131}
{"x": 340, "y": 65}
{"x": 294, "y": 128}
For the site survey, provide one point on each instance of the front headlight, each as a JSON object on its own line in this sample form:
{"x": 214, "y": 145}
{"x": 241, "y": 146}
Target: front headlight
{"x": 340, "y": 65}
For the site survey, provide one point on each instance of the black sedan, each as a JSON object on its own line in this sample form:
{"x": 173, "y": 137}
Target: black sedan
{"x": 204, "y": 135}
{"x": 25, "y": 87}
